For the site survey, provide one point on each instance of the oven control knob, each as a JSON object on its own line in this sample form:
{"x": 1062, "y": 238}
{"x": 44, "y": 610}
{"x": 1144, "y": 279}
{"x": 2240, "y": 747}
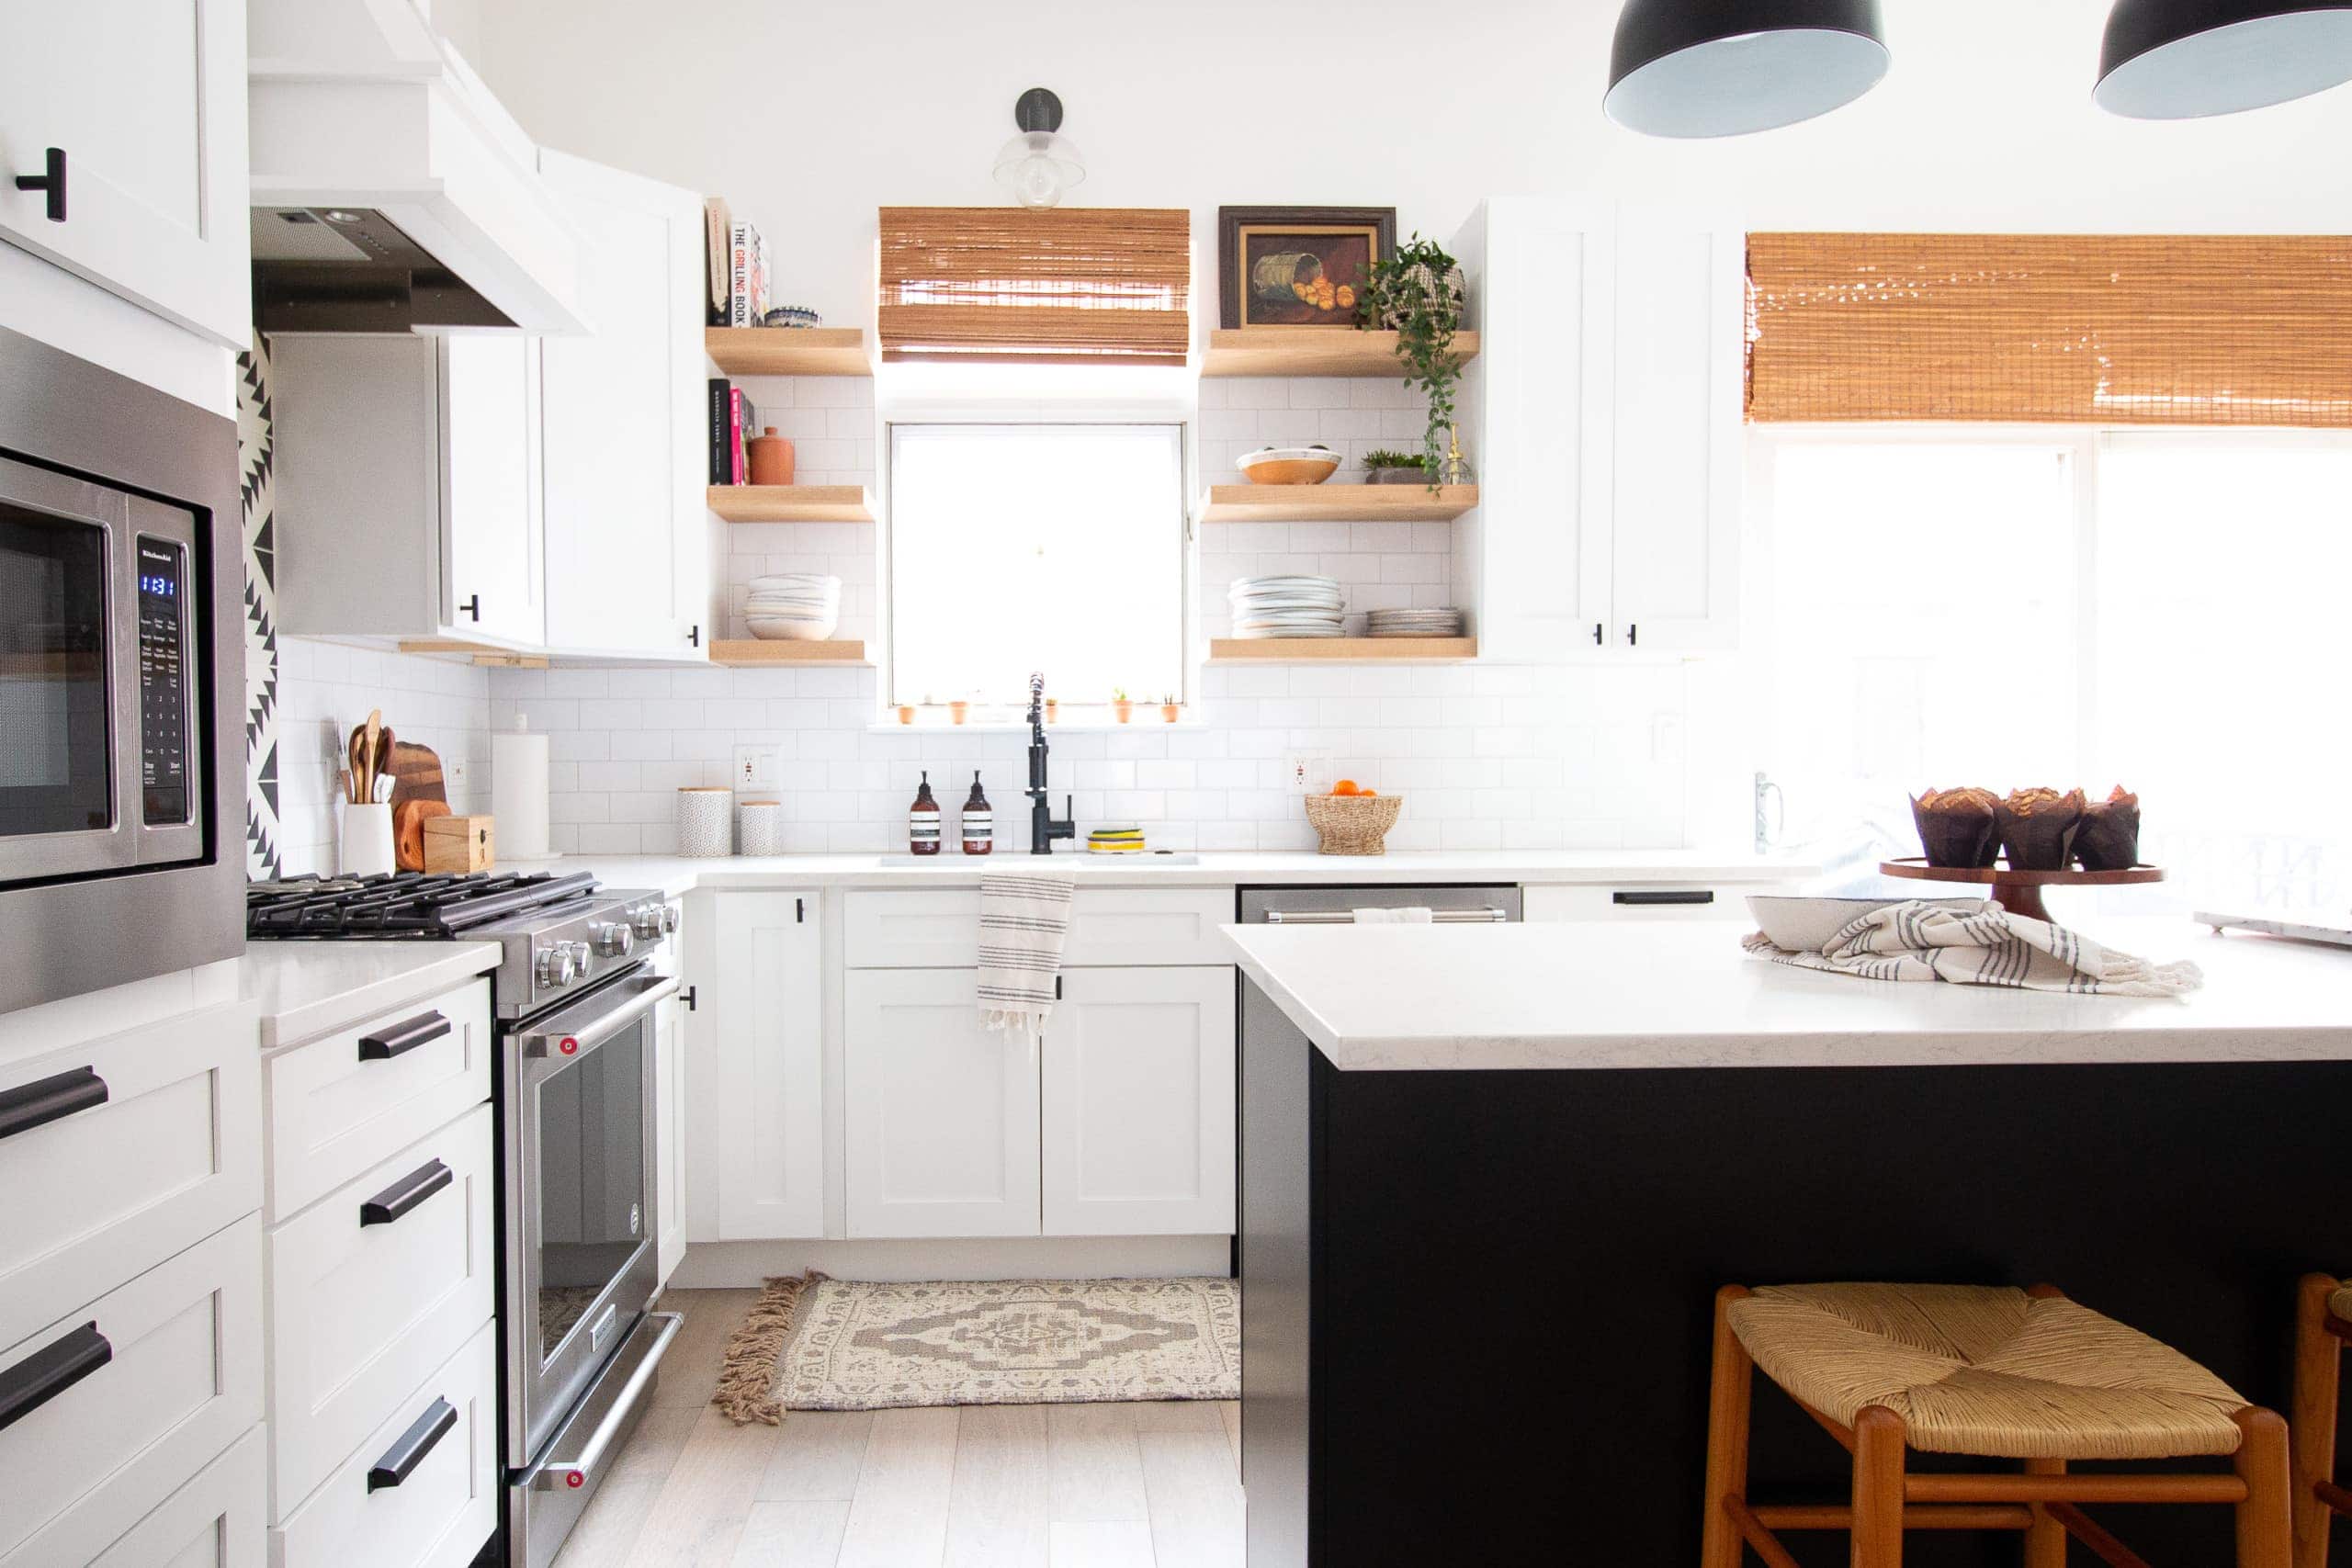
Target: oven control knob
{"x": 668, "y": 918}
{"x": 646, "y": 920}
{"x": 612, "y": 940}
{"x": 555, "y": 966}
{"x": 583, "y": 957}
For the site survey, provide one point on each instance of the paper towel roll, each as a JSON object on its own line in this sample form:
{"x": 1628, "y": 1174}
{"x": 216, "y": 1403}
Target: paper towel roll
{"x": 518, "y": 792}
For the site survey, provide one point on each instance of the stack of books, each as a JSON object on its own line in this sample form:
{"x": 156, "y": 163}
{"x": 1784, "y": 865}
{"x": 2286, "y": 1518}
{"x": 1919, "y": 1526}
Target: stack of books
{"x": 734, "y": 419}
{"x": 1125, "y": 841}
{"x": 738, "y": 272}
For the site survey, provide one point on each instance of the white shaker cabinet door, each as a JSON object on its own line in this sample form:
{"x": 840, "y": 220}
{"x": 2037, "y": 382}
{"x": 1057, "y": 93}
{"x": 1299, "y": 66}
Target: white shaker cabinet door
{"x": 629, "y": 529}
{"x": 941, "y": 1130}
{"x": 1138, "y": 1095}
{"x": 766, "y": 1002}
{"x": 145, "y": 103}
{"x": 1682, "y": 307}
{"x": 491, "y": 543}
{"x": 1540, "y": 390}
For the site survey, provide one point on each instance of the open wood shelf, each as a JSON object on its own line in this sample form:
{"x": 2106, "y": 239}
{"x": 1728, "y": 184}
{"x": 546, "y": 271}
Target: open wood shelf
{"x": 792, "y": 504}
{"x": 1313, "y": 351}
{"x": 751, "y": 652}
{"x": 1336, "y": 504}
{"x": 788, "y": 350}
{"x": 1363, "y": 649}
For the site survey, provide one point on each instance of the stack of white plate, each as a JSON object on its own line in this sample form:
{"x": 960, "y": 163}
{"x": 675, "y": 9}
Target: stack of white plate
{"x": 1285, "y": 606}
{"x": 793, "y": 607}
{"x": 1413, "y": 623}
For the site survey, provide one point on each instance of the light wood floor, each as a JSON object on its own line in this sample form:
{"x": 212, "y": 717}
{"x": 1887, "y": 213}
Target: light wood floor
{"x": 984, "y": 1486}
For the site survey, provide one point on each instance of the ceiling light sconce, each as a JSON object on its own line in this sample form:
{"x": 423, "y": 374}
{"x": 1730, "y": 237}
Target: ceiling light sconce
{"x": 1699, "y": 68}
{"x": 2188, "y": 58}
{"x": 1039, "y": 165}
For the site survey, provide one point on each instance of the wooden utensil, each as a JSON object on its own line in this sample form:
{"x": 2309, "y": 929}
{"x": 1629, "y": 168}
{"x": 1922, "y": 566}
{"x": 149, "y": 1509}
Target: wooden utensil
{"x": 358, "y": 792}
{"x": 416, "y": 773}
{"x": 379, "y": 764}
{"x": 409, "y": 818}
{"x": 375, "y": 728}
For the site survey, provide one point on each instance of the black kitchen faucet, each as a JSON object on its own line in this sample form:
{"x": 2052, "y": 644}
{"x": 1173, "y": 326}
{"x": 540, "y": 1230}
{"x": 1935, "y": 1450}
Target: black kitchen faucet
{"x": 1043, "y": 827}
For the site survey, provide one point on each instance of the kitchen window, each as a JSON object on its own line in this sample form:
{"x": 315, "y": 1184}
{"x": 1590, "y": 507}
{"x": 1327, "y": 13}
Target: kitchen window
{"x": 1022, "y": 547}
{"x": 2016, "y": 606}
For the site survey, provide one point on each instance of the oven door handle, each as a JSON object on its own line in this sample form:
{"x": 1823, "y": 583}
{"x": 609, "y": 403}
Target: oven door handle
{"x": 558, "y": 1045}
{"x": 557, "y": 1473}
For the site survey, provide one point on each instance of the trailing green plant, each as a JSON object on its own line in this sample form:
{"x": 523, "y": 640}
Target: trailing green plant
{"x": 1416, "y": 293}
{"x": 1382, "y": 458}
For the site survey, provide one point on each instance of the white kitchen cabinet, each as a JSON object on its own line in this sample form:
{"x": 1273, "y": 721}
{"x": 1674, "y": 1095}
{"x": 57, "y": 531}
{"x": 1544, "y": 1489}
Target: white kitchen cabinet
{"x": 409, "y": 487}
{"x": 147, "y": 105}
{"x": 1138, "y": 1132}
{"x": 1607, "y": 393}
{"x": 669, "y": 1136}
{"x": 941, "y": 1127}
{"x": 629, "y": 533}
{"x": 765, "y": 1003}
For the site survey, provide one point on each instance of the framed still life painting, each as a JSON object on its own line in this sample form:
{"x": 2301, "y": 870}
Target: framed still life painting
{"x": 1297, "y": 267}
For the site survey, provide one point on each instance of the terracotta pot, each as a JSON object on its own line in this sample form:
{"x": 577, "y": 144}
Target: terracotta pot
{"x": 906, "y": 713}
{"x": 959, "y": 711}
{"x": 1168, "y": 711}
{"x": 1053, "y": 710}
{"x": 1125, "y": 710}
{"x": 772, "y": 458}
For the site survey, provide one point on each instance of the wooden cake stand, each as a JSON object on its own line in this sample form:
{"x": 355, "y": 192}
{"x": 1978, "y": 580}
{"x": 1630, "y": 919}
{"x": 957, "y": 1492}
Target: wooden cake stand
{"x": 2019, "y": 892}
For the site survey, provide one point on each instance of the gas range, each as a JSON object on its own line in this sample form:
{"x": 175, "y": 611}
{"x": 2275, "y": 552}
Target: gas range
{"x": 561, "y": 935}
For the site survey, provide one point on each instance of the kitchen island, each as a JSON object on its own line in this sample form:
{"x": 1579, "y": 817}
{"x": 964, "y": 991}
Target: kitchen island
{"x": 1491, "y": 1177}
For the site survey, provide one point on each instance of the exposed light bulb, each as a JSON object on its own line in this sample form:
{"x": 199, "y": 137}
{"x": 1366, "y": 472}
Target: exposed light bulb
{"x": 1036, "y": 182}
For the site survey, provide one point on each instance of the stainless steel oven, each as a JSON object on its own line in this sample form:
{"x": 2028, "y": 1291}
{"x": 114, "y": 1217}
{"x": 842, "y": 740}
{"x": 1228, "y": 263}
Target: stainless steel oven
{"x": 121, "y": 678}
{"x": 581, "y": 1246}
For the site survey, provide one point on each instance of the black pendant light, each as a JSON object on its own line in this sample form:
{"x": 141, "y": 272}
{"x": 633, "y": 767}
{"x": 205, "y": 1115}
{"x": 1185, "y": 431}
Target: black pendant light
{"x": 1726, "y": 67}
{"x": 2186, "y": 59}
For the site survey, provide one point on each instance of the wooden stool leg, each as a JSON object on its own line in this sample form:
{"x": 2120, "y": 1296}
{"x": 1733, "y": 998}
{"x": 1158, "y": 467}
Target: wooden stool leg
{"x": 2045, "y": 1539}
{"x": 1878, "y": 1489}
{"x": 2318, "y": 1374}
{"x": 2266, "y": 1534}
{"x": 1731, "y": 1383}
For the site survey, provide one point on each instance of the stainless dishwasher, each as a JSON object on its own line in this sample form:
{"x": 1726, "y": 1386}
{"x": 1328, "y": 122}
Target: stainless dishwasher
{"x": 1497, "y": 903}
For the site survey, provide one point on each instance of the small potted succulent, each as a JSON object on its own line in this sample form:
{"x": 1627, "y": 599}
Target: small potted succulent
{"x": 1168, "y": 709}
{"x": 1384, "y": 466}
{"x": 906, "y": 713}
{"x": 1053, "y": 710}
{"x": 1121, "y": 705}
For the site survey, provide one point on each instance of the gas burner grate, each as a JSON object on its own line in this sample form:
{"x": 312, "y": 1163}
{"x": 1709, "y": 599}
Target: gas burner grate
{"x": 410, "y": 904}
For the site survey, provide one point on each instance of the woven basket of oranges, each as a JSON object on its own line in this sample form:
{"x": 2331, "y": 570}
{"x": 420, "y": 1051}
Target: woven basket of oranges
{"x": 1352, "y": 820}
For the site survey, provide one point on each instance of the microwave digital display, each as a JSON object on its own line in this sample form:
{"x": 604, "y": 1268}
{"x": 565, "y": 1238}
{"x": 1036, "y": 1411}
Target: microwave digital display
{"x": 163, "y": 684}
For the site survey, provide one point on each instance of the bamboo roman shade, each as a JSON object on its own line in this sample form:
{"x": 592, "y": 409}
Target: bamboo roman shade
{"x": 1090, "y": 286}
{"x": 2108, "y": 329}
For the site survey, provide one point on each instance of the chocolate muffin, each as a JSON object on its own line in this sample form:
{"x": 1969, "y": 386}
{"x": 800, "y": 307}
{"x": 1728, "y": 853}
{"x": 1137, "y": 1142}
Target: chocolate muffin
{"x": 2038, "y": 827}
{"x": 1957, "y": 827}
{"x": 2108, "y": 838}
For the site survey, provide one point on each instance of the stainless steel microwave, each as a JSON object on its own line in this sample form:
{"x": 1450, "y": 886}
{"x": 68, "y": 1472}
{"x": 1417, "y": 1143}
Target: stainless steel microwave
{"x": 121, "y": 679}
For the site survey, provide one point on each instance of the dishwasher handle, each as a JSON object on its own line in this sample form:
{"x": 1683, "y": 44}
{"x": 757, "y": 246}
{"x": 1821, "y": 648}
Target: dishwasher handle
{"x": 1487, "y": 917}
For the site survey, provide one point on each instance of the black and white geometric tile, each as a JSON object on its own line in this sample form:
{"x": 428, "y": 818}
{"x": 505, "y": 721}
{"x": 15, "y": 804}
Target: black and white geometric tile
{"x": 257, "y": 464}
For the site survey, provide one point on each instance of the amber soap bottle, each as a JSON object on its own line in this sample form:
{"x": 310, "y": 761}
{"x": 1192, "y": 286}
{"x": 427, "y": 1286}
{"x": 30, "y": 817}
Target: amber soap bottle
{"x": 980, "y": 821}
{"x": 923, "y": 821}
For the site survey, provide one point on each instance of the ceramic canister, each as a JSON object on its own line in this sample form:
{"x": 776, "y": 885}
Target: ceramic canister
{"x": 771, "y": 458}
{"x": 705, "y": 820}
{"x": 761, "y": 826}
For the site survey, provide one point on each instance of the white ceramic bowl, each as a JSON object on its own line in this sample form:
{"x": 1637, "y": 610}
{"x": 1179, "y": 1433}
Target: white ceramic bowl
{"x": 1801, "y": 924}
{"x": 775, "y": 629}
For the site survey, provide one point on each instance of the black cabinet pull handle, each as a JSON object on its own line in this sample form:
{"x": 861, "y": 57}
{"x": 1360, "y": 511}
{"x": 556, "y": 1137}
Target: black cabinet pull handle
{"x": 1596, "y": 637}
{"x": 472, "y": 606}
{"x": 44, "y": 1101}
{"x": 406, "y": 1194}
{"x": 407, "y": 1451}
{"x": 1666, "y": 895}
{"x": 51, "y": 180}
{"x": 406, "y": 1035}
{"x": 1633, "y": 635}
{"x": 50, "y": 1372}
{"x": 694, "y": 635}
{"x": 687, "y": 996}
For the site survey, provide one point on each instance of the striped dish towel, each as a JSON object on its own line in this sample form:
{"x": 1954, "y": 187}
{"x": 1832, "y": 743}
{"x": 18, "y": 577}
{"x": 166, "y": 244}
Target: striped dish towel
{"x": 1025, "y": 915}
{"x": 1986, "y": 945}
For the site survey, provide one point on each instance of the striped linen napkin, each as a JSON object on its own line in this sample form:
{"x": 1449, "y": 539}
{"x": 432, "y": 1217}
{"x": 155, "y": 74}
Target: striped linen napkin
{"x": 1024, "y": 916}
{"x": 1984, "y": 946}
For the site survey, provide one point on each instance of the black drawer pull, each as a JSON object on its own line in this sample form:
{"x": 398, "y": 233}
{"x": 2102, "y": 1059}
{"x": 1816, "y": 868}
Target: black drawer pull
{"x": 50, "y": 1372}
{"x": 406, "y": 1194}
{"x": 1666, "y": 895}
{"x": 407, "y": 1451}
{"x": 403, "y": 1036}
{"x": 34, "y": 1104}
{"x": 50, "y": 180}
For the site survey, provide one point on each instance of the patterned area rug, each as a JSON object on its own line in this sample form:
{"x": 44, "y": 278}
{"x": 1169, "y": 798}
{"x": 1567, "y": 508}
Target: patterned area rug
{"x": 814, "y": 1343}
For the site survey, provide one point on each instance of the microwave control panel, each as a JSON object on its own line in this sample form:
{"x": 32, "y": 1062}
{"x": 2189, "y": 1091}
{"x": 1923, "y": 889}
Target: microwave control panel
{"x": 163, "y": 683}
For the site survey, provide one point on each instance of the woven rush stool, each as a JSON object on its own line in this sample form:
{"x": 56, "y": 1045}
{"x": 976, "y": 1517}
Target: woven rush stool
{"x": 1993, "y": 1373}
{"x": 2322, "y": 1323}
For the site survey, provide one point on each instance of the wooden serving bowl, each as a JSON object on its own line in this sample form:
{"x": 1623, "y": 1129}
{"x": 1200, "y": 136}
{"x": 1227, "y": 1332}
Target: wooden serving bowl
{"x": 1289, "y": 466}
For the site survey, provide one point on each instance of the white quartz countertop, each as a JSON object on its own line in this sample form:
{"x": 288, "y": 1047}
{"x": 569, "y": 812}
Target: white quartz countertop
{"x": 675, "y": 874}
{"x": 310, "y": 989}
{"x": 1675, "y": 994}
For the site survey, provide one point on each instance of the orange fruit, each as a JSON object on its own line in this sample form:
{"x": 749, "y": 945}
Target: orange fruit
{"x": 1347, "y": 787}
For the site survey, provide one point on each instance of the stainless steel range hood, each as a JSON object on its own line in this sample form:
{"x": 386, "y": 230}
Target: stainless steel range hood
{"x": 391, "y": 190}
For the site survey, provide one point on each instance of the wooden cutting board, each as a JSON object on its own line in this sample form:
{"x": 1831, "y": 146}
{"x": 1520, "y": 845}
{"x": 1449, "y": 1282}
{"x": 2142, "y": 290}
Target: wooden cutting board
{"x": 408, "y": 831}
{"x": 416, "y": 776}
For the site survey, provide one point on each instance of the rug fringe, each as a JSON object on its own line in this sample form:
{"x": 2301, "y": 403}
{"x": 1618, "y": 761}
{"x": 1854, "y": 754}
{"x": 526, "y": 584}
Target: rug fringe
{"x": 747, "y": 1378}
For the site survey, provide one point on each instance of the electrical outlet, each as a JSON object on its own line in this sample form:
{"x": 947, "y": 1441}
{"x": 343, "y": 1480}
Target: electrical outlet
{"x": 758, "y": 767}
{"x": 1306, "y": 772}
